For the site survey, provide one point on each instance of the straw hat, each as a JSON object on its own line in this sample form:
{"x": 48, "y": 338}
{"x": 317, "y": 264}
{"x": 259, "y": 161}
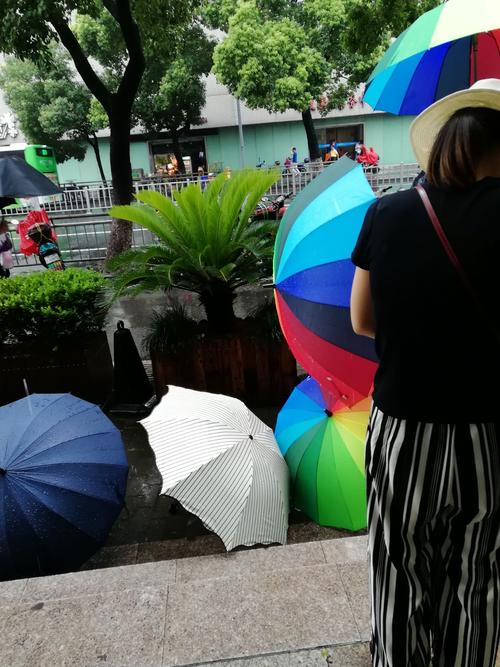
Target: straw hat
{"x": 426, "y": 126}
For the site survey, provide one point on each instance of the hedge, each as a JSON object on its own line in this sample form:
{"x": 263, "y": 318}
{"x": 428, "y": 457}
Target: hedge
{"x": 51, "y": 305}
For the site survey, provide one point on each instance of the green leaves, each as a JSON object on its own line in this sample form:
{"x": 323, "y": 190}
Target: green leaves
{"x": 268, "y": 62}
{"x": 205, "y": 238}
{"x": 281, "y": 54}
{"x": 51, "y": 304}
{"x": 52, "y": 106}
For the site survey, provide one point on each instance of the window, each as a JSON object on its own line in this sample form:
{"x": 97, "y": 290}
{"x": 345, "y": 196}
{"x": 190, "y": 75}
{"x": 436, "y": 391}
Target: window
{"x": 44, "y": 152}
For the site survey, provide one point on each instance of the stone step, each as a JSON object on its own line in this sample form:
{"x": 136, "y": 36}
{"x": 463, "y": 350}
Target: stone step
{"x": 268, "y": 606}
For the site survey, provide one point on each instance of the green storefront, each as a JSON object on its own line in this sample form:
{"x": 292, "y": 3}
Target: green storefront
{"x": 218, "y": 148}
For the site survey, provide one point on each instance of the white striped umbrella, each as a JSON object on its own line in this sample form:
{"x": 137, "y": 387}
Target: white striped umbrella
{"x": 222, "y": 464}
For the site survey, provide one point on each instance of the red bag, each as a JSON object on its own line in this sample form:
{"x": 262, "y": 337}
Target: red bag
{"x": 26, "y": 245}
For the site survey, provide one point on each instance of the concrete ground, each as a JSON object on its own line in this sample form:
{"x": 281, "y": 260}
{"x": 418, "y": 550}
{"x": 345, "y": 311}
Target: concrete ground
{"x": 302, "y": 604}
{"x": 147, "y": 530}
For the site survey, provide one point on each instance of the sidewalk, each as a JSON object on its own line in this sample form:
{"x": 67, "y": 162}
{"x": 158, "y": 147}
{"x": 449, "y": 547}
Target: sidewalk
{"x": 278, "y": 606}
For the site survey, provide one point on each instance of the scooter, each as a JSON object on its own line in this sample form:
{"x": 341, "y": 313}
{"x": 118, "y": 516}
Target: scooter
{"x": 271, "y": 209}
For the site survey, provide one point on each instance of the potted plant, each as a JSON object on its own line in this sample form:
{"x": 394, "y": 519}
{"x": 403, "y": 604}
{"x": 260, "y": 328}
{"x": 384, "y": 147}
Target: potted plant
{"x": 52, "y": 335}
{"x": 209, "y": 245}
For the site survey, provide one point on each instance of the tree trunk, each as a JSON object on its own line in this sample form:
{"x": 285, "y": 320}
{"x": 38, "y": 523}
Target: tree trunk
{"x": 217, "y": 300}
{"x": 118, "y": 106}
{"x": 121, "y": 173}
{"x": 178, "y": 153}
{"x": 312, "y": 139}
{"x": 95, "y": 145}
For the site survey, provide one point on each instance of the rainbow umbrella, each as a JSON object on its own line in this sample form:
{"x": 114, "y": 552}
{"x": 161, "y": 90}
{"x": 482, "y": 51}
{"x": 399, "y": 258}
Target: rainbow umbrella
{"x": 313, "y": 276}
{"x": 446, "y": 49}
{"x": 324, "y": 450}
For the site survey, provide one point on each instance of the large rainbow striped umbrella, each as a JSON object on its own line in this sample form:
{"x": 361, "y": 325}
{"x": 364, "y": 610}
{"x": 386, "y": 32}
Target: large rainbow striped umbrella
{"x": 447, "y": 49}
{"x": 313, "y": 276}
{"x": 324, "y": 450}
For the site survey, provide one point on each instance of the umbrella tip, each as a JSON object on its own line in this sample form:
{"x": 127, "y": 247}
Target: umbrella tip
{"x": 328, "y": 413}
{"x": 251, "y": 437}
{"x": 2, "y": 472}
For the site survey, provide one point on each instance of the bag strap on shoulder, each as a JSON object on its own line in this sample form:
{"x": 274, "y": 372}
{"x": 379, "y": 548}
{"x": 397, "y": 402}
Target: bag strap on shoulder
{"x": 454, "y": 259}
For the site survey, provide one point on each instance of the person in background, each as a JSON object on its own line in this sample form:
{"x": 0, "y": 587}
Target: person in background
{"x": 202, "y": 178}
{"x": 426, "y": 288}
{"x": 48, "y": 250}
{"x": 295, "y": 156}
{"x": 6, "y": 260}
{"x": 334, "y": 154}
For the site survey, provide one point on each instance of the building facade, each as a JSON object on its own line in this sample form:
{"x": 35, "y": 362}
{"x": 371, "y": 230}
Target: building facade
{"x": 215, "y": 145}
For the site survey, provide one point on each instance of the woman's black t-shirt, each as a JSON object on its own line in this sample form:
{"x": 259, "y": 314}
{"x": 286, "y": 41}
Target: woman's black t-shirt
{"x": 439, "y": 356}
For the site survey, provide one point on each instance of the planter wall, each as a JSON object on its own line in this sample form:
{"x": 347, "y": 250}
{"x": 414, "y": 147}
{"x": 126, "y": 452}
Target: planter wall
{"x": 81, "y": 366}
{"x": 260, "y": 373}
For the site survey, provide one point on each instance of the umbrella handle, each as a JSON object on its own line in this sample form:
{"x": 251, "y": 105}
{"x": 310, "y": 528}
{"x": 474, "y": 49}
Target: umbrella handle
{"x": 27, "y": 395}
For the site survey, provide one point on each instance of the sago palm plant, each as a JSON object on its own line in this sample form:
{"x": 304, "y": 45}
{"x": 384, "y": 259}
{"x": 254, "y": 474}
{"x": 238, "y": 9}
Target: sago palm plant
{"x": 207, "y": 243}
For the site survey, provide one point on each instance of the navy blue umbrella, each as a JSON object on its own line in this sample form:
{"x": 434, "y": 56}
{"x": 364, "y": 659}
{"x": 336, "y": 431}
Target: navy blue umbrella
{"x": 63, "y": 475}
{"x": 19, "y": 179}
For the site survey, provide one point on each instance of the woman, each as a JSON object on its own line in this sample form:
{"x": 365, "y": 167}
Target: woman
{"x": 6, "y": 260}
{"x": 433, "y": 442}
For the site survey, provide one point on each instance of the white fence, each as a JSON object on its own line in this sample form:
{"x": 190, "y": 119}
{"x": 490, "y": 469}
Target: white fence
{"x": 83, "y": 226}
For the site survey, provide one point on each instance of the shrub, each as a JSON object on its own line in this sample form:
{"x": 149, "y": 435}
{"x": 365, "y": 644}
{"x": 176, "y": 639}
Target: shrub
{"x": 208, "y": 243}
{"x": 170, "y": 330}
{"x": 51, "y": 305}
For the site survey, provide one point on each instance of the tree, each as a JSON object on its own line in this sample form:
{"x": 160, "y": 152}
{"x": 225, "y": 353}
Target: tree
{"x": 27, "y": 29}
{"x": 52, "y": 106}
{"x": 380, "y": 20}
{"x": 172, "y": 95}
{"x": 269, "y": 63}
{"x": 172, "y": 92}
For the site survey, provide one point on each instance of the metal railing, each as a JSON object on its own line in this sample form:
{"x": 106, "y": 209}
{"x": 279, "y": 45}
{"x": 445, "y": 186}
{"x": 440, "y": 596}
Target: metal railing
{"x": 83, "y": 225}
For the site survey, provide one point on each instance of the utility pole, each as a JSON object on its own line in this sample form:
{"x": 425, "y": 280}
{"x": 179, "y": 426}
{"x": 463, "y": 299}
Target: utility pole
{"x": 240, "y": 132}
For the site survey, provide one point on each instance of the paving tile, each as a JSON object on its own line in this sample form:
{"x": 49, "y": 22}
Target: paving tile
{"x": 118, "y": 629}
{"x": 270, "y": 612}
{"x": 360, "y": 606}
{"x": 351, "y": 655}
{"x": 11, "y": 591}
{"x": 252, "y": 561}
{"x": 355, "y": 578}
{"x": 125, "y": 554}
{"x": 184, "y": 548}
{"x": 346, "y": 550}
{"x": 155, "y": 575}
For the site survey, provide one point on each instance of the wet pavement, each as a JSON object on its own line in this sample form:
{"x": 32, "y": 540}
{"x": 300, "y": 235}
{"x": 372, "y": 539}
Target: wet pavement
{"x": 149, "y": 529}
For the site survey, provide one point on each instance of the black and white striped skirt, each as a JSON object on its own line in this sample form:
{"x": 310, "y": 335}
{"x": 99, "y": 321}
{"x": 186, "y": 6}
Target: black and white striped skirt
{"x": 434, "y": 542}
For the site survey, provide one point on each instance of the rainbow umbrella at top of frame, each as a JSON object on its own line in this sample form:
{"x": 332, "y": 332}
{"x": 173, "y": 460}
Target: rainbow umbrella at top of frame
{"x": 445, "y": 50}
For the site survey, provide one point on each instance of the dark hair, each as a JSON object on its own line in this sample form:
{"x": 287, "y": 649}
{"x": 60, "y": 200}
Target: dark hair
{"x": 469, "y": 136}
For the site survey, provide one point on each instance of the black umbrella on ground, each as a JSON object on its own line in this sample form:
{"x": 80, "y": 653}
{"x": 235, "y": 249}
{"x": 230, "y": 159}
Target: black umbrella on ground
{"x": 19, "y": 179}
